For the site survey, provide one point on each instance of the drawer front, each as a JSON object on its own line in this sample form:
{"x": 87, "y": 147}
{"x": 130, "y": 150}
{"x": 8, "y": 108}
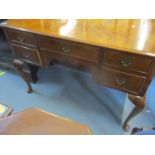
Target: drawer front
{"x": 77, "y": 50}
{"x": 48, "y": 57}
{"x": 119, "y": 80}
{"x": 21, "y": 37}
{"x": 127, "y": 61}
{"x": 26, "y": 54}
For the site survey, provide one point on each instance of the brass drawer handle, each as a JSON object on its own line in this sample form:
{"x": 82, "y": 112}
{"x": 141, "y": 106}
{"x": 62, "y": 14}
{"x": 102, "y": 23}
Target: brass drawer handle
{"x": 20, "y": 39}
{"x": 125, "y": 63}
{"x": 120, "y": 81}
{"x": 26, "y": 55}
{"x": 65, "y": 49}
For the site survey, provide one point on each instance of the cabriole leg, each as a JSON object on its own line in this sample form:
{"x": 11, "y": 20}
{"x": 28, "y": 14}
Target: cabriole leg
{"x": 19, "y": 66}
{"x": 139, "y": 103}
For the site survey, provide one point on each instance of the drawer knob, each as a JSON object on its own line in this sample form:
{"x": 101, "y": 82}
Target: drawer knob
{"x": 20, "y": 39}
{"x": 65, "y": 49}
{"x": 120, "y": 81}
{"x": 125, "y": 63}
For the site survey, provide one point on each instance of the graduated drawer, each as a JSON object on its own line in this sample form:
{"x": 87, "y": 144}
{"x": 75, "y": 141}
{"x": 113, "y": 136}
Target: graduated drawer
{"x": 76, "y": 50}
{"x": 21, "y": 37}
{"x": 127, "y": 61}
{"x": 27, "y": 54}
{"x": 119, "y": 80}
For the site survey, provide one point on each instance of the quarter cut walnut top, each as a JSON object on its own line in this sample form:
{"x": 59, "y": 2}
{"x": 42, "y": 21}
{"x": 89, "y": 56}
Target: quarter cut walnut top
{"x": 131, "y": 35}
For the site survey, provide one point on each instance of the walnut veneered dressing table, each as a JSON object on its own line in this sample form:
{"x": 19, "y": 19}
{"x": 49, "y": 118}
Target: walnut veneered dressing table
{"x": 119, "y": 53}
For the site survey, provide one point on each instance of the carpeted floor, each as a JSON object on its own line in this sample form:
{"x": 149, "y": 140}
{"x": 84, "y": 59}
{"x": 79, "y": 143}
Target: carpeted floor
{"x": 73, "y": 94}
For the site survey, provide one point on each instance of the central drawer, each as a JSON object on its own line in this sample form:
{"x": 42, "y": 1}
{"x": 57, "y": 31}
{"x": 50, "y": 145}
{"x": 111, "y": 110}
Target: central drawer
{"x": 76, "y": 50}
{"x": 123, "y": 81}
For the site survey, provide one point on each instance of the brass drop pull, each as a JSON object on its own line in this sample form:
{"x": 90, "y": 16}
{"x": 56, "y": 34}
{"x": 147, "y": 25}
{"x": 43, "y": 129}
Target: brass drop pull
{"x": 26, "y": 55}
{"x": 120, "y": 81}
{"x": 125, "y": 63}
{"x": 65, "y": 49}
{"x": 20, "y": 39}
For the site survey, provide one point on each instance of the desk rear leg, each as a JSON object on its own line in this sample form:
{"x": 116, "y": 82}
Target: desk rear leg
{"x": 19, "y": 66}
{"x": 33, "y": 71}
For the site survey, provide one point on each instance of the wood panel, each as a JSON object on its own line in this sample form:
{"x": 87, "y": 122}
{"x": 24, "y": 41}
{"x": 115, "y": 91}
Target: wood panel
{"x": 48, "y": 57}
{"x": 35, "y": 121}
{"x": 127, "y": 61}
{"x": 30, "y": 55}
{"x": 80, "y": 51}
{"x": 20, "y": 37}
{"x": 127, "y": 82}
{"x": 132, "y": 35}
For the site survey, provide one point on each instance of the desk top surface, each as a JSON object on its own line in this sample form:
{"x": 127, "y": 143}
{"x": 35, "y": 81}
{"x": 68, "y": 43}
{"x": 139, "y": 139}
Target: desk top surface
{"x": 133, "y": 35}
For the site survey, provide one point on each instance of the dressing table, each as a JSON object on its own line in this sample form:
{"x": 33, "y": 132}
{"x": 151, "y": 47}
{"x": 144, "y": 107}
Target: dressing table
{"x": 118, "y": 53}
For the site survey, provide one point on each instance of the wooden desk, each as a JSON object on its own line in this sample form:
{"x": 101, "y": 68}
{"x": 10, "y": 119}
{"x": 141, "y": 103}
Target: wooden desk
{"x": 35, "y": 121}
{"x": 119, "y": 53}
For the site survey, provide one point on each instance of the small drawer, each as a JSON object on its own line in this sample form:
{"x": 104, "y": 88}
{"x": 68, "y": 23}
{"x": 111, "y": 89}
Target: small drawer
{"x": 76, "y": 50}
{"x": 27, "y": 54}
{"x": 127, "y": 61}
{"x": 119, "y": 80}
{"x": 21, "y": 37}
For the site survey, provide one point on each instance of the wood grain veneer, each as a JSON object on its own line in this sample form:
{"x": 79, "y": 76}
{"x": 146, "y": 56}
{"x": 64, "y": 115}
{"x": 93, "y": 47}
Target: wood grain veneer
{"x": 119, "y": 53}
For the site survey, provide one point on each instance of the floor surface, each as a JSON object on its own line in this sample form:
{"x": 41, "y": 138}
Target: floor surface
{"x": 73, "y": 94}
